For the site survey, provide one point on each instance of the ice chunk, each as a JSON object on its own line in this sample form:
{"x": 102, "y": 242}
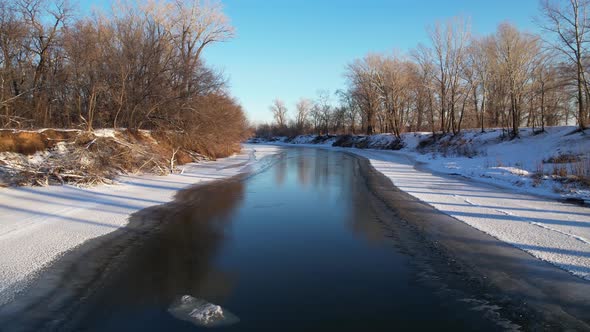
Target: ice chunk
{"x": 201, "y": 312}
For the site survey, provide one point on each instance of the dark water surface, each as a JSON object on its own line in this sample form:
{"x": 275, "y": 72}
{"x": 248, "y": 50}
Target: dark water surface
{"x": 301, "y": 246}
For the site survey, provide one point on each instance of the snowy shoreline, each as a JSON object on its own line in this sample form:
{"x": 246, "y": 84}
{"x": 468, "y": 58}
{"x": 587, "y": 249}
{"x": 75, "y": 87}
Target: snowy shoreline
{"x": 550, "y": 230}
{"x": 39, "y": 225}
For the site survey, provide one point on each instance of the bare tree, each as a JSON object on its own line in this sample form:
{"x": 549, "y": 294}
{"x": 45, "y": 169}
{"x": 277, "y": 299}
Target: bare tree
{"x": 352, "y": 110}
{"x": 279, "y": 112}
{"x": 449, "y": 42}
{"x": 360, "y": 80}
{"x": 194, "y": 24}
{"x": 517, "y": 53}
{"x": 425, "y": 81}
{"x": 303, "y": 108}
{"x": 479, "y": 64}
{"x": 568, "y": 21}
{"x": 139, "y": 67}
{"x": 323, "y": 110}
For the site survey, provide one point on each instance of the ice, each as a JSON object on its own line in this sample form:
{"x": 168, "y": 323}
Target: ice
{"x": 201, "y": 312}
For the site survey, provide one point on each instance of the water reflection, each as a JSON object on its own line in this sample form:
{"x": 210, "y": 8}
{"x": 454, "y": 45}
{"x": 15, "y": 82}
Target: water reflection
{"x": 304, "y": 166}
{"x": 339, "y": 174}
{"x": 365, "y": 219}
{"x": 280, "y": 171}
{"x": 176, "y": 261}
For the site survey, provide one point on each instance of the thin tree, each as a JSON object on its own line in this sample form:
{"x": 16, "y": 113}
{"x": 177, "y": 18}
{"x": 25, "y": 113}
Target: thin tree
{"x": 279, "y": 112}
{"x": 568, "y": 21}
{"x": 303, "y": 107}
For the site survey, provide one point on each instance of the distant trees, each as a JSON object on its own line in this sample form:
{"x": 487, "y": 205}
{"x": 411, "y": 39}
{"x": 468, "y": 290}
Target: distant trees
{"x": 140, "y": 67}
{"x": 507, "y": 79}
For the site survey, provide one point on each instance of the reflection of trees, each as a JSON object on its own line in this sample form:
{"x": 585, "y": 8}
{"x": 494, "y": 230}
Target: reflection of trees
{"x": 358, "y": 205}
{"x": 303, "y": 169}
{"x": 321, "y": 169}
{"x": 177, "y": 260}
{"x": 280, "y": 169}
{"x": 364, "y": 216}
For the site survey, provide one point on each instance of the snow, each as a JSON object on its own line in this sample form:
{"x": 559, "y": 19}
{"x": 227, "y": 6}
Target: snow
{"x": 107, "y": 132}
{"x": 495, "y": 188}
{"x": 555, "y": 232}
{"x": 38, "y": 225}
{"x": 515, "y": 163}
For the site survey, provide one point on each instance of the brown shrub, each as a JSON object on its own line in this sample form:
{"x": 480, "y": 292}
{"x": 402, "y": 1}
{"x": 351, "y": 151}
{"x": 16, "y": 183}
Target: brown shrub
{"x": 559, "y": 171}
{"x": 87, "y": 159}
{"x": 564, "y": 158}
{"x": 183, "y": 157}
{"x": 29, "y": 142}
{"x": 60, "y": 135}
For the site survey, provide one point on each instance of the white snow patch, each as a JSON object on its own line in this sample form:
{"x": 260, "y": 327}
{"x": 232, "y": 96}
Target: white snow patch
{"x": 108, "y": 132}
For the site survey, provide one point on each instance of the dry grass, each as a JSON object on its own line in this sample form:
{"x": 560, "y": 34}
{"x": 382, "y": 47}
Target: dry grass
{"x": 566, "y": 168}
{"x": 448, "y": 146}
{"x": 559, "y": 171}
{"x": 82, "y": 158}
{"x": 29, "y": 142}
{"x": 564, "y": 158}
{"x": 581, "y": 170}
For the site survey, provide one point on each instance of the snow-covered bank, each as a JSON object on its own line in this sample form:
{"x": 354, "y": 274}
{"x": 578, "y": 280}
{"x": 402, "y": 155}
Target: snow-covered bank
{"x": 553, "y": 164}
{"x": 38, "y": 225}
{"x": 555, "y": 232}
{"x": 550, "y": 230}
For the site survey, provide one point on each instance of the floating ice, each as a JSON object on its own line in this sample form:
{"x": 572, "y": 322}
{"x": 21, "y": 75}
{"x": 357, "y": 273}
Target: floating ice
{"x": 201, "y": 312}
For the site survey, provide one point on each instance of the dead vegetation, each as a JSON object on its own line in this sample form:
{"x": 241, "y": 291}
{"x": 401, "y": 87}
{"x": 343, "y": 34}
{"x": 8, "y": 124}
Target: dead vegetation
{"x": 364, "y": 142}
{"x": 449, "y": 146}
{"x": 568, "y": 168}
{"x": 139, "y": 67}
{"x": 85, "y": 158}
{"x": 29, "y": 142}
{"x": 563, "y": 158}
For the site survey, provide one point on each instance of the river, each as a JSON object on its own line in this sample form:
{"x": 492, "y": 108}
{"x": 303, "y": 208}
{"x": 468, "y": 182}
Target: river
{"x": 306, "y": 244}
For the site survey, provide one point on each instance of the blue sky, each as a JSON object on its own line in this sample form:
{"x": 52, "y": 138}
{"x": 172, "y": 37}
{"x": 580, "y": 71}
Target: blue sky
{"x": 293, "y": 48}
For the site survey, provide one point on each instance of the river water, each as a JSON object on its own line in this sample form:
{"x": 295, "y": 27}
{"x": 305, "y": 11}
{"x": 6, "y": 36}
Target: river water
{"x": 304, "y": 245}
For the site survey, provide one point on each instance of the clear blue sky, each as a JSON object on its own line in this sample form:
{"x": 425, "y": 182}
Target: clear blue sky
{"x": 292, "y": 48}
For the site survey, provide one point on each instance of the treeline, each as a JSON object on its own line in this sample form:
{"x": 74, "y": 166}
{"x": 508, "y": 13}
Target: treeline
{"x": 139, "y": 67}
{"x": 507, "y": 79}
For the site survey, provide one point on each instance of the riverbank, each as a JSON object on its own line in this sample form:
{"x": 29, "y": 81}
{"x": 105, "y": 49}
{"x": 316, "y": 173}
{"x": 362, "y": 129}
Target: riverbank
{"x": 85, "y": 158}
{"x": 521, "y": 292}
{"x": 40, "y": 224}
